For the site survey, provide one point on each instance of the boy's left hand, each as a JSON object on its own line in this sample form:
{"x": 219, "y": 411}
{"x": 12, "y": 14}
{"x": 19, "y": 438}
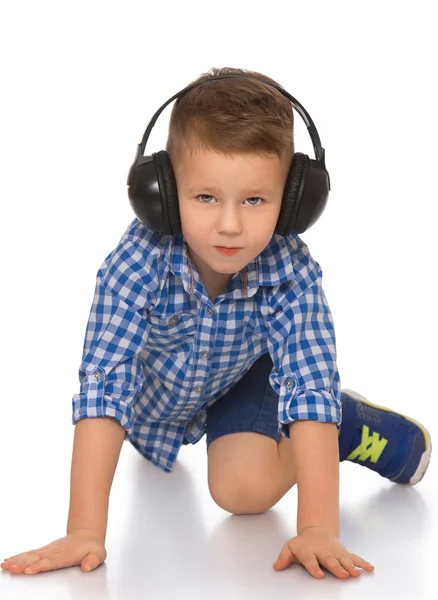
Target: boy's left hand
{"x": 315, "y": 544}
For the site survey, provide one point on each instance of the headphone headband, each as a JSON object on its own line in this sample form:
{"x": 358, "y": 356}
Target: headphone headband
{"x": 319, "y": 151}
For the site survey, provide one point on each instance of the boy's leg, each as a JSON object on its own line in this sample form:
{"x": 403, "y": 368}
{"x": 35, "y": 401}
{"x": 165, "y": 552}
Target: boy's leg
{"x": 248, "y": 473}
{"x": 250, "y": 465}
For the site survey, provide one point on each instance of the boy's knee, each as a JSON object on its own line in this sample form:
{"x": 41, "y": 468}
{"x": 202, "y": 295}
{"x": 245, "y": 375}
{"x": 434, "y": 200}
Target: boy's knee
{"x": 241, "y": 496}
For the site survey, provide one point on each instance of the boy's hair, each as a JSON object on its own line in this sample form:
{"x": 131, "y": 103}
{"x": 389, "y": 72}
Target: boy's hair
{"x": 232, "y": 116}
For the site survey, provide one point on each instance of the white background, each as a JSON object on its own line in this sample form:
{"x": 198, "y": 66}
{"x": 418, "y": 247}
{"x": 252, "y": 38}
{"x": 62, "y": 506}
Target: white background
{"x": 79, "y": 84}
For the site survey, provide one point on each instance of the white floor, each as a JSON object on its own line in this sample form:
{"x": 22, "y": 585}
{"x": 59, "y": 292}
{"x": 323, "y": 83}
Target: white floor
{"x": 168, "y": 539}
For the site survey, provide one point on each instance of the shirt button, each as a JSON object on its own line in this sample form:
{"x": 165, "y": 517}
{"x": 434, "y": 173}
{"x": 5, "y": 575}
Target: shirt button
{"x": 210, "y": 311}
{"x": 289, "y": 383}
{"x": 97, "y": 376}
{"x": 173, "y": 320}
{"x": 205, "y": 354}
{"x": 199, "y": 388}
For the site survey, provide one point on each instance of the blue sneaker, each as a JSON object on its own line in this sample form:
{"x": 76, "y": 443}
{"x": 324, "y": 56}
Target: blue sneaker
{"x": 393, "y": 445}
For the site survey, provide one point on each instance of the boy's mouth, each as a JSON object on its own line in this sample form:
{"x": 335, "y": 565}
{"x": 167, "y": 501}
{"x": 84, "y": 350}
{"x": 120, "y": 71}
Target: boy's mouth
{"x": 227, "y": 250}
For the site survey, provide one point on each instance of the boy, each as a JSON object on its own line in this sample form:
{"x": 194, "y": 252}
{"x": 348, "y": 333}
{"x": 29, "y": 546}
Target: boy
{"x": 187, "y": 337}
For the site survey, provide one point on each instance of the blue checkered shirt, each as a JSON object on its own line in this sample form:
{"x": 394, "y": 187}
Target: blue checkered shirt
{"x": 158, "y": 352}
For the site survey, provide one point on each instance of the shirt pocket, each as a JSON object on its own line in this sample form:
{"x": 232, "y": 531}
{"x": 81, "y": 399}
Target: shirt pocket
{"x": 173, "y": 333}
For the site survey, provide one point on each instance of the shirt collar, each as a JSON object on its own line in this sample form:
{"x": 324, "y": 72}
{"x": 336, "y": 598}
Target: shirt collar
{"x": 271, "y": 267}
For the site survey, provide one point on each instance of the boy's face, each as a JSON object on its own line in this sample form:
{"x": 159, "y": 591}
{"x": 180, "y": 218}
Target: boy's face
{"x": 228, "y": 201}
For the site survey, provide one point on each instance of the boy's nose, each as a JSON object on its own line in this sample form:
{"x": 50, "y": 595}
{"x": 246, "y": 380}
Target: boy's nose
{"x": 229, "y": 223}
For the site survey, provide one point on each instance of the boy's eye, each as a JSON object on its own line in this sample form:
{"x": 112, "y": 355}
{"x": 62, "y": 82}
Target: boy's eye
{"x": 204, "y": 196}
{"x": 208, "y": 196}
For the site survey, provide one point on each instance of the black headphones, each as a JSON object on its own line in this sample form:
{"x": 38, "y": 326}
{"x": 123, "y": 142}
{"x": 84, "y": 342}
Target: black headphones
{"x": 154, "y": 197}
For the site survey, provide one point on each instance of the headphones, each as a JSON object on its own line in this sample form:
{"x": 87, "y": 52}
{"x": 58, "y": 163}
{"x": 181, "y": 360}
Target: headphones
{"x": 154, "y": 197}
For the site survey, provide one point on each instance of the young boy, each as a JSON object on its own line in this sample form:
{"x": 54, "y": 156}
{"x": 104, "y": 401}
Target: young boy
{"x": 185, "y": 338}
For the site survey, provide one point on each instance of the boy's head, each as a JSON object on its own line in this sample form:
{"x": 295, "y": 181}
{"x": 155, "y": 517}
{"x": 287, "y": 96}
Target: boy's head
{"x": 231, "y": 145}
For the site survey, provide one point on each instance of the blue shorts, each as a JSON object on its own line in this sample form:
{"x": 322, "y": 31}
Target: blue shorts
{"x": 250, "y": 405}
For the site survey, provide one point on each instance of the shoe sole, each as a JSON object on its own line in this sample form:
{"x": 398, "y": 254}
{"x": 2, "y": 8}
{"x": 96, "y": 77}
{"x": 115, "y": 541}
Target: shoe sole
{"x": 425, "y": 457}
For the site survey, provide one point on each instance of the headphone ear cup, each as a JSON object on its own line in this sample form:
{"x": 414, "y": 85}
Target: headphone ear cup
{"x": 144, "y": 193}
{"x": 291, "y": 195}
{"x": 168, "y": 192}
{"x": 305, "y": 195}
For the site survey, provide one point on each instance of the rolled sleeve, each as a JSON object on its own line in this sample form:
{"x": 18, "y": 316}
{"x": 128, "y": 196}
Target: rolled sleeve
{"x": 101, "y": 398}
{"x": 314, "y": 405}
{"x": 111, "y": 372}
{"x": 302, "y": 346}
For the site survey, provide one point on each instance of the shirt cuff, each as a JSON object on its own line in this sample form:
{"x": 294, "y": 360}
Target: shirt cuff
{"x": 92, "y": 402}
{"x": 311, "y": 405}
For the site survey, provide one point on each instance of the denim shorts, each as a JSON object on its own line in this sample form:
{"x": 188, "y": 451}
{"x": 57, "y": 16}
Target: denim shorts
{"x": 250, "y": 405}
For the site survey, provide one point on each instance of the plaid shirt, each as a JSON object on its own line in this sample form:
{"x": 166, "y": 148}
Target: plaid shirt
{"x": 158, "y": 352}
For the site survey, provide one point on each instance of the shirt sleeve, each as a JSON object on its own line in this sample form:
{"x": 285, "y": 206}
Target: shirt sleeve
{"x": 111, "y": 372}
{"x": 302, "y": 346}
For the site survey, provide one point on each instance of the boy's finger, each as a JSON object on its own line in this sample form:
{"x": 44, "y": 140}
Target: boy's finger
{"x": 361, "y": 562}
{"x": 309, "y": 561}
{"x": 331, "y": 563}
{"x": 91, "y": 561}
{"x": 285, "y": 558}
{"x": 348, "y": 564}
{"x": 45, "y": 564}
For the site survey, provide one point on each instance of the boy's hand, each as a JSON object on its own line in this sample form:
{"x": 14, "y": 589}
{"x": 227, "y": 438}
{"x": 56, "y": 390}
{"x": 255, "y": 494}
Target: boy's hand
{"x": 315, "y": 544}
{"x": 79, "y": 547}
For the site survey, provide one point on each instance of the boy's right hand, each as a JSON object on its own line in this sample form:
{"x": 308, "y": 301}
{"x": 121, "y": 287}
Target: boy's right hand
{"x": 83, "y": 547}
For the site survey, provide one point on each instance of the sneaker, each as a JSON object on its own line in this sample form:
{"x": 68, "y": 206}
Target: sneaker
{"x": 393, "y": 445}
